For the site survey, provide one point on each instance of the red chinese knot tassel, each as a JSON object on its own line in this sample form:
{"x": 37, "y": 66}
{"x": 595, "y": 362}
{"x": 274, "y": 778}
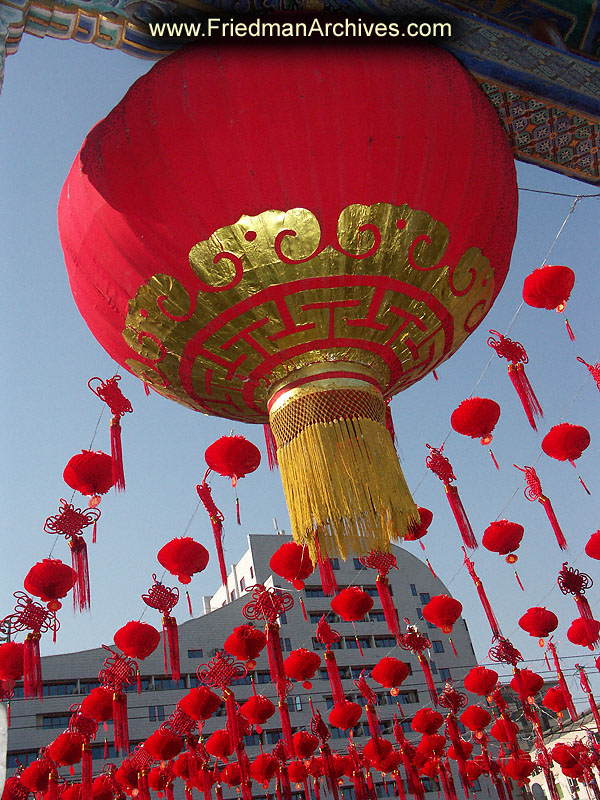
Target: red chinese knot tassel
{"x": 515, "y": 354}
{"x": 488, "y": 610}
{"x": 532, "y": 492}
{"x": 32, "y": 667}
{"x": 216, "y": 520}
{"x": 442, "y": 467}
{"x": 119, "y": 405}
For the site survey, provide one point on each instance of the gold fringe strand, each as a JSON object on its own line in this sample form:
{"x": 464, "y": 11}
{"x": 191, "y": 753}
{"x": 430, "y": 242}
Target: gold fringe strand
{"x": 342, "y": 480}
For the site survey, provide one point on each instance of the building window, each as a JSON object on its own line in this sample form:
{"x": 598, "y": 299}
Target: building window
{"x": 317, "y": 645}
{"x": 329, "y": 702}
{"x": 445, "y": 674}
{"x": 286, "y": 644}
{"x": 283, "y": 619}
{"x": 413, "y": 590}
{"x": 405, "y": 725}
{"x": 404, "y": 698}
{"x": 85, "y": 687}
{"x": 294, "y": 703}
{"x": 263, "y": 677}
{"x": 337, "y": 733}
{"x": 132, "y": 687}
{"x": 315, "y": 616}
{"x": 197, "y": 653}
{"x": 376, "y": 616}
{"x": 252, "y": 740}
{"x": 347, "y": 793}
{"x": 242, "y": 584}
{"x": 313, "y": 591}
{"x": 419, "y": 613}
{"x": 58, "y": 689}
{"x": 156, "y": 713}
{"x": 372, "y": 590}
{"x": 335, "y": 563}
{"x": 429, "y": 784}
{"x": 23, "y": 757}
{"x": 438, "y": 647}
{"x": 161, "y": 684}
{"x": 55, "y": 720}
{"x": 273, "y": 736}
{"x": 430, "y": 625}
{"x": 355, "y": 671}
{"x": 245, "y": 680}
{"x": 352, "y": 642}
{"x": 433, "y": 667}
{"x": 98, "y": 751}
{"x": 385, "y": 641}
{"x": 358, "y": 564}
{"x": 424, "y": 597}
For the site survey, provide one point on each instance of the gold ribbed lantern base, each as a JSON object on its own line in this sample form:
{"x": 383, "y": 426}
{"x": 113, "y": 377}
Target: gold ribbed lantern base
{"x": 340, "y": 471}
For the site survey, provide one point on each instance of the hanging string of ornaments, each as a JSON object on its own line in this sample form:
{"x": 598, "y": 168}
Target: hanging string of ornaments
{"x": 328, "y": 427}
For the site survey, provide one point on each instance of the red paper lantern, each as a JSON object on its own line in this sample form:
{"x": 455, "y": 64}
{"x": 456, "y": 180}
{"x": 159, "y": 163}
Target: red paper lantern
{"x": 563, "y": 755}
{"x": 592, "y": 547}
{"x": 159, "y": 778}
{"x": 72, "y": 792}
{"x": 226, "y": 335}
{"x": 481, "y": 681}
{"x": 199, "y": 703}
{"x": 257, "y": 709}
{"x": 475, "y": 718}
{"x": 376, "y": 750}
{"x": 426, "y": 720}
{"x": 432, "y": 744}
{"x": 474, "y": 770}
{"x": 137, "y": 639}
{"x": 442, "y": 611}
{"x": 519, "y": 768}
{"x": 539, "y": 622}
{"x": 527, "y": 683}
{"x": 263, "y": 768}
{"x": 351, "y": 604}
{"x": 504, "y": 730}
{"x": 90, "y": 473}
{"x": 476, "y": 417}
{"x": 503, "y": 537}
{"x": 98, "y": 705}
{"x": 36, "y": 776}
{"x": 246, "y": 643}
{"x": 292, "y": 562}
{"x": 549, "y": 287}
{"x": 219, "y": 744}
{"x": 464, "y": 750}
{"x": 345, "y": 715}
{"x": 50, "y": 580}
{"x": 126, "y": 775}
{"x": 231, "y": 774}
{"x": 555, "y": 700}
{"x": 163, "y": 744}
{"x": 304, "y": 743}
{"x": 390, "y": 763}
{"x": 11, "y": 661}
{"x": 183, "y": 557}
{"x": 390, "y": 672}
{"x": 233, "y": 457}
{"x": 584, "y": 632}
{"x": 66, "y": 749}
{"x": 418, "y": 529}
{"x": 565, "y": 442}
{"x": 301, "y": 665}
{"x": 297, "y": 771}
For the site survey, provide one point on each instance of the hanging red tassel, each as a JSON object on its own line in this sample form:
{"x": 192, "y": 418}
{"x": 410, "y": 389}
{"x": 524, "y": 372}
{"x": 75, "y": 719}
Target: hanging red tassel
{"x": 447, "y": 783}
{"x": 171, "y": 641}
{"x": 399, "y": 785}
{"x": 562, "y": 683}
{"x": 442, "y": 467}
{"x": 303, "y": 607}
{"x": 519, "y": 581}
{"x": 593, "y": 369}
{"x": 189, "y": 602}
{"x": 119, "y": 405}
{"x": 489, "y": 612}
{"x": 583, "y": 682}
{"x": 329, "y": 770}
{"x": 532, "y": 492}
{"x": 494, "y": 458}
{"x": 275, "y": 657}
{"x": 569, "y": 330}
{"x": 515, "y": 354}
{"x": 271, "y": 446}
{"x": 86, "y": 771}
{"x": 32, "y": 667}
{"x": 417, "y": 643}
{"x": 333, "y": 673}
{"x": 121, "y": 727}
{"x": 572, "y": 581}
{"x": 216, "y": 520}
{"x": 328, "y": 581}
{"x": 383, "y": 563}
{"x": 286, "y": 727}
{"x": 79, "y": 561}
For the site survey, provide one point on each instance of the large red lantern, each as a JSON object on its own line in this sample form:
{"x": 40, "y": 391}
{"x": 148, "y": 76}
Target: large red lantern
{"x": 269, "y": 268}
{"x": 183, "y": 557}
{"x": 50, "y": 580}
{"x": 90, "y": 473}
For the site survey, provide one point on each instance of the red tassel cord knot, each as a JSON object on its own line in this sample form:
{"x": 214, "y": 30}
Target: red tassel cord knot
{"x": 119, "y": 406}
{"x": 533, "y": 491}
{"x": 572, "y": 581}
{"x": 216, "y": 520}
{"x": 593, "y": 369}
{"x": 483, "y": 598}
{"x": 118, "y": 671}
{"x": 584, "y": 683}
{"x": 164, "y": 599}
{"x": 417, "y": 643}
{"x": 328, "y": 581}
{"x": 515, "y": 354}
{"x": 441, "y": 466}
{"x": 383, "y": 563}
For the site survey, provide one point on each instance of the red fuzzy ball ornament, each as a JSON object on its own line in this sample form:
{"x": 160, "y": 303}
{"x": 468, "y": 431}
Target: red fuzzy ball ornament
{"x": 390, "y": 672}
{"x": 442, "y": 611}
{"x": 475, "y": 718}
{"x": 527, "y": 683}
{"x": 476, "y": 417}
{"x": 233, "y": 457}
{"x": 503, "y": 537}
{"x": 37, "y": 775}
{"x": 11, "y": 661}
{"x": 219, "y": 744}
{"x": 304, "y": 743}
{"x": 66, "y": 749}
{"x": 292, "y": 562}
{"x": 592, "y": 547}
{"x": 199, "y": 703}
{"x": 50, "y": 580}
{"x": 504, "y": 730}
{"x": 231, "y": 774}
{"x": 257, "y": 709}
{"x": 481, "y": 681}
{"x": 163, "y": 745}
{"x": 566, "y": 442}
{"x": 418, "y": 529}
{"x": 426, "y": 720}
{"x": 432, "y": 744}
{"x": 98, "y": 705}
{"x": 345, "y": 715}
{"x": 263, "y": 768}
{"x": 301, "y": 665}
{"x": 555, "y": 700}
{"x": 549, "y": 287}
{"x": 137, "y": 639}
{"x": 183, "y": 557}
{"x": 297, "y": 771}
{"x": 539, "y": 622}
{"x": 519, "y": 768}
{"x": 90, "y": 473}
{"x": 351, "y": 604}
{"x": 584, "y": 632}
{"x": 246, "y": 643}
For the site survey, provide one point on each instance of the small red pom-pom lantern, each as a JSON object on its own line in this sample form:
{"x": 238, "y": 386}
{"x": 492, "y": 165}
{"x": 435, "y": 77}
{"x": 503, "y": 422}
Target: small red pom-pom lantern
{"x": 426, "y": 720}
{"x": 163, "y": 745}
{"x": 199, "y": 703}
{"x": 475, "y": 718}
{"x": 183, "y": 557}
{"x": 65, "y": 750}
{"x": 418, "y": 529}
{"x": 432, "y": 744}
{"x": 126, "y": 776}
{"x": 257, "y": 709}
{"x": 11, "y": 661}
{"x": 503, "y": 537}
{"x": 36, "y": 776}
{"x": 504, "y": 730}
{"x": 246, "y": 643}
{"x": 474, "y": 770}
{"x": 461, "y": 750}
{"x": 137, "y": 639}
{"x": 390, "y": 672}
{"x": 345, "y": 715}
{"x": 297, "y": 771}
{"x": 566, "y": 442}
{"x": 481, "y": 681}
{"x": 476, "y": 417}
{"x": 233, "y": 457}
{"x": 442, "y": 611}
{"x": 50, "y": 580}
{"x": 519, "y": 768}
{"x": 301, "y": 665}
{"x": 527, "y": 683}
{"x": 304, "y": 743}
{"x": 584, "y": 632}
{"x": 103, "y": 786}
{"x": 263, "y": 768}
{"x": 539, "y": 622}
{"x": 555, "y": 700}
{"x": 292, "y": 562}
{"x": 231, "y": 774}
{"x": 90, "y": 473}
{"x": 219, "y": 744}
{"x": 98, "y": 705}
{"x": 549, "y": 287}
{"x": 563, "y": 755}
{"x": 376, "y": 749}
{"x": 351, "y": 604}
{"x": 592, "y": 547}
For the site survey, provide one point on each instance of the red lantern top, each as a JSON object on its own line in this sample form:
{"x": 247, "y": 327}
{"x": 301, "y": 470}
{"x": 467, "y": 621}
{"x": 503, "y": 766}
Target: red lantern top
{"x": 89, "y": 472}
{"x": 426, "y": 720}
{"x": 50, "y": 580}
{"x": 549, "y": 287}
{"x": 233, "y": 457}
{"x": 443, "y": 611}
{"x": 292, "y": 562}
{"x": 476, "y": 417}
{"x": 183, "y": 557}
{"x": 565, "y": 442}
{"x": 245, "y": 642}
{"x": 351, "y": 604}
{"x": 475, "y": 718}
{"x": 502, "y": 536}
{"x": 481, "y": 680}
{"x": 538, "y": 621}
{"x": 137, "y": 639}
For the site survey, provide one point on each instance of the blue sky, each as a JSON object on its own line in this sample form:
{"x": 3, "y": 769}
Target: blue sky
{"x": 54, "y": 92}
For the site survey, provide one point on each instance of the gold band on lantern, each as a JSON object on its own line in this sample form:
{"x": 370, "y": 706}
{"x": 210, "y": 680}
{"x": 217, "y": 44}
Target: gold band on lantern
{"x": 339, "y": 467}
